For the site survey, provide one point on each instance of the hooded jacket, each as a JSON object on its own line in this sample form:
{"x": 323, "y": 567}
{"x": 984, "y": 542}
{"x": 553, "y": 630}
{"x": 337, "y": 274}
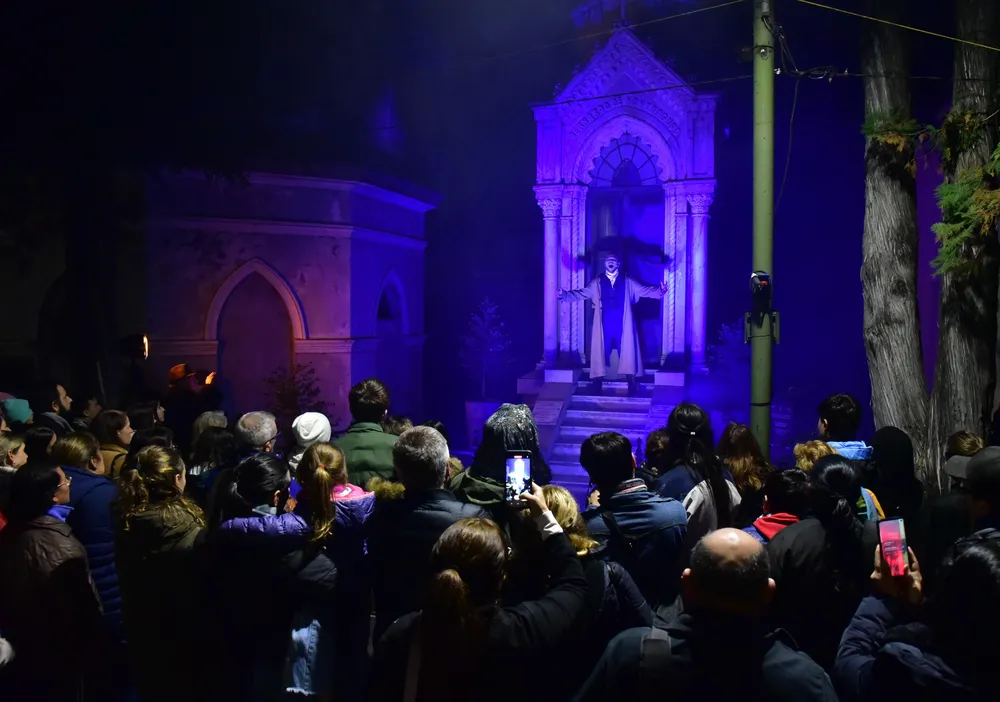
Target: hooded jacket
{"x": 368, "y": 452}
{"x": 158, "y": 576}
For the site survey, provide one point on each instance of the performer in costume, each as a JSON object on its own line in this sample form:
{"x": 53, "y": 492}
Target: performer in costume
{"x": 613, "y": 295}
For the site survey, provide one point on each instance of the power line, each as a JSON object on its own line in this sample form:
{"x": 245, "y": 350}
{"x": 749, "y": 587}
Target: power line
{"x": 608, "y": 32}
{"x": 907, "y": 27}
{"x": 680, "y": 86}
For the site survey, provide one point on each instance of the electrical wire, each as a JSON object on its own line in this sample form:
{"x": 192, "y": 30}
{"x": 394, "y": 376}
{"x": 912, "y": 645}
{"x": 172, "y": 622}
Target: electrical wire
{"x": 788, "y": 153}
{"x": 607, "y": 32}
{"x": 680, "y": 86}
{"x": 918, "y": 30}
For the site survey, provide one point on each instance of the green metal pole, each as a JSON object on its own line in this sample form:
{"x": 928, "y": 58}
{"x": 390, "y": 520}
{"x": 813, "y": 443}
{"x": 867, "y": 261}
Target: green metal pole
{"x": 761, "y": 333}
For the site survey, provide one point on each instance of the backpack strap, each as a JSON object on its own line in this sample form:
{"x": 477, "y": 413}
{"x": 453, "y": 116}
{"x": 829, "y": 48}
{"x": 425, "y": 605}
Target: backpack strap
{"x": 655, "y": 656}
{"x": 116, "y": 464}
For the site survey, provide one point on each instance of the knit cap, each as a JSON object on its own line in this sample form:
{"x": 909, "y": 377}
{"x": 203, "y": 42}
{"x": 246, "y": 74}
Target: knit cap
{"x": 310, "y": 428}
{"x": 16, "y": 411}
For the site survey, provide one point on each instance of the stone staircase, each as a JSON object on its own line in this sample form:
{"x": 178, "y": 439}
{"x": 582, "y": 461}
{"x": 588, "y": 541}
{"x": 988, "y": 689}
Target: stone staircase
{"x": 588, "y": 413}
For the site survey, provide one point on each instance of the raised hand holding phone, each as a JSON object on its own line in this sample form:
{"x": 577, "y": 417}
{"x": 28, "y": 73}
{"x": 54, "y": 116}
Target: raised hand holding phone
{"x": 535, "y": 499}
{"x": 907, "y": 587}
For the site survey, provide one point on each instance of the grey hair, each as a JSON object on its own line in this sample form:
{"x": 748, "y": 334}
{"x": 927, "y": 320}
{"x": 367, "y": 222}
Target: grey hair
{"x": 421, "y": 457}
{"x": 255, "y": 429}
{"x": 214, "y": 418}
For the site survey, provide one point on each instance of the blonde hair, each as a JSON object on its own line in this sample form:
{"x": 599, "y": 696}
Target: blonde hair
{"x": 808, "y": 453}
{"x": 963, "y": 443}
{"x": 76, "y": 450}
{"x": 149, "y": 481}
{"x": 321, "y": 469}
{"x": 564, "y": 509}
{"x": 9, "y": 443}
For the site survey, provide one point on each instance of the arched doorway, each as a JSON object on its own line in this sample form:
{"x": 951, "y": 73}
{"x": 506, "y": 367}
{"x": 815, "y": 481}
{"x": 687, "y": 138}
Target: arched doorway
{"x": 626, "y": 216}
{"x": 255, "y": 339}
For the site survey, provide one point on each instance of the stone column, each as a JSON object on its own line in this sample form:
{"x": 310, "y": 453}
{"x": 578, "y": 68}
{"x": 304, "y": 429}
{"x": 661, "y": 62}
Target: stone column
{"x": 550, "y": 201}
{"x": 675, "y": 235}
{"x": 573, "y": 270}
{"x": 700, "y": 199}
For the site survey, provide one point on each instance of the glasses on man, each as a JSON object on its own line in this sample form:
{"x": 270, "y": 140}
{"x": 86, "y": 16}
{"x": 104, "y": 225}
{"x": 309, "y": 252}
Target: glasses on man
{"x": 67, "y": 482}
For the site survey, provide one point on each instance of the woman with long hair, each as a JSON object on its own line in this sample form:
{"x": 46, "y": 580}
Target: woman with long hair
{"x": 49, "y": 610}
{"x": 114, "y": 432}
{"x": 824, "y": 559}
{"x": 613, "y": 603}
{"x": 739, "y": 450}
{"x": 463, "y": 636}
{"x": 157, "y": 532}
{"x": 900, "y": 494}
{"x": 252, "y": 537}
{"x": 214, "y": 451}
{"x": 337, "y": 511}
{"x": 81, "y": 459}
{"x": 695, "y": 475}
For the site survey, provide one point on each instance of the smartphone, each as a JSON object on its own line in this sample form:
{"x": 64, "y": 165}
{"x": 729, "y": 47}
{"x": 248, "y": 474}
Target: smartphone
{"x": 892, "y": 536}
{"x": 518, "y": 474}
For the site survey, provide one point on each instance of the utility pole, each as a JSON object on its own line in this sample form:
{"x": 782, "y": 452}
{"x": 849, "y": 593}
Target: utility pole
{"x": 760, "y": 323}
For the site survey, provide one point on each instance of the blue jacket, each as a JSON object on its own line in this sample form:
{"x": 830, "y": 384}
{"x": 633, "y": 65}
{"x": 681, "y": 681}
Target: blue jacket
{"x": 652, "y": 529}
{"x": 868, "y": 667}
{"x": 90, "y": 496}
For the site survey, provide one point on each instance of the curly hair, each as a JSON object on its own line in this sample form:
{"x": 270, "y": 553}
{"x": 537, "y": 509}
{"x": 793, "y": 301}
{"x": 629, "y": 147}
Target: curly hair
{"x": 149, "y": 481}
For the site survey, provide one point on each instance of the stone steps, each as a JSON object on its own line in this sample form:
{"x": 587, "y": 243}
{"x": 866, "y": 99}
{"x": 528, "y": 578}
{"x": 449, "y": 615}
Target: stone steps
{"x": 623, "y": 421}
{"x": 604, "y": 403}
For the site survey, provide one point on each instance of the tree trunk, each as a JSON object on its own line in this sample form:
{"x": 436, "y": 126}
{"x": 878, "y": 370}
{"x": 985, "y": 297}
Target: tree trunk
{"x": 965, "y": 375}
{"x": 889, "y": 268}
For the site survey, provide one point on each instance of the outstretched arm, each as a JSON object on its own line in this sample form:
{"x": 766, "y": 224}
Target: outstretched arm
{"x": 640, "y": 290}
{"x": 586, "y": 293}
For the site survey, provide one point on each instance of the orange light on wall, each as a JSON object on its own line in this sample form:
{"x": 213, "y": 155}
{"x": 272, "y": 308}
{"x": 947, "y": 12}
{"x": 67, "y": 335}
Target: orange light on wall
{"x": 145, "y": 347}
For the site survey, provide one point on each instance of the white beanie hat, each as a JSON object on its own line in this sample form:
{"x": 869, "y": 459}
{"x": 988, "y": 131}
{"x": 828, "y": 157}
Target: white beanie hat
{"x": 310, "y": 428}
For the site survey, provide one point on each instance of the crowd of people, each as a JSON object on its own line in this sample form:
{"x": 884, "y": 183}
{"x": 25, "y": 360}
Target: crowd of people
{"x": 168, "y": 552}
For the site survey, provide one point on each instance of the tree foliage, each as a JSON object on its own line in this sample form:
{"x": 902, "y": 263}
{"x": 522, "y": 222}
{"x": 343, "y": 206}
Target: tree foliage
{"x": 485, "y": 344}
{"x": 293, "y": 391}
{"x": 970, "y": 211}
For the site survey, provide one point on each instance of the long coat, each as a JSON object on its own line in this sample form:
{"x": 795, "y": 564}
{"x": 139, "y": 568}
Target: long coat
{"x": 629, "y": 357}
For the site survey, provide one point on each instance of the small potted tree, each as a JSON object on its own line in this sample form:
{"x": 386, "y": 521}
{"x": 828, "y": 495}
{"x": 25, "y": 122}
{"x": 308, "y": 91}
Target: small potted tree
{"x": 291, "y": 392}
{"x": 483, "y": 355}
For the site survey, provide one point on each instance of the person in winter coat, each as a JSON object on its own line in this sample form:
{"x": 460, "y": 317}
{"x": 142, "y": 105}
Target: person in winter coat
{"x": 894, "y": 480}
{"x": 157, "y": 533}
{"x": 614, "y": 602}
{"x": 262, "y": 568}
{"x": 214, "y": 451}
{"x": 641, "y": 530}
{"x": 822, "y": 564}
{"x": 114, "y": 432}
{"x": 510, "y": 428}
{"x": 402, "y": 532}
{"x": 308, "y": 429}
{"x": 726, "y": 592}
{"x": 337, "y": 512}
{"x": 695, "y": 476}
{"x": 744, "y": 459}
{"x": 12, "y": 457}
{"x": 49, "y": 610}
{"x": 463, "y": 640}
{"x": 91, "y": 519}
{"x": 786, "y": 502}
{"x": 947, "y": 654}
{"x": 367, "y": 448}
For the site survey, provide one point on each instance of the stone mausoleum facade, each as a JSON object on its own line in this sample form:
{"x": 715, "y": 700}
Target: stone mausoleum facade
{"x": 626, "y": 161}
{"x": 247, "y": 278}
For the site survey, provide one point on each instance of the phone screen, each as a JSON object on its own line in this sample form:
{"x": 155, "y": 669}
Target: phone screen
{"x": 518, "y": 475}
{"x": 892, "y": 535}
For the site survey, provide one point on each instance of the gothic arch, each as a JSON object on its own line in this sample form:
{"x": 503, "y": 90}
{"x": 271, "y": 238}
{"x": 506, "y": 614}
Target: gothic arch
{"x": 631, "y": 122}
{"x": 392, "y": 288}
{"x": 280, "y": 285}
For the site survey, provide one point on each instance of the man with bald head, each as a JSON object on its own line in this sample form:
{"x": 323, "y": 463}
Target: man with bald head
{"x": 719, "y": 647}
